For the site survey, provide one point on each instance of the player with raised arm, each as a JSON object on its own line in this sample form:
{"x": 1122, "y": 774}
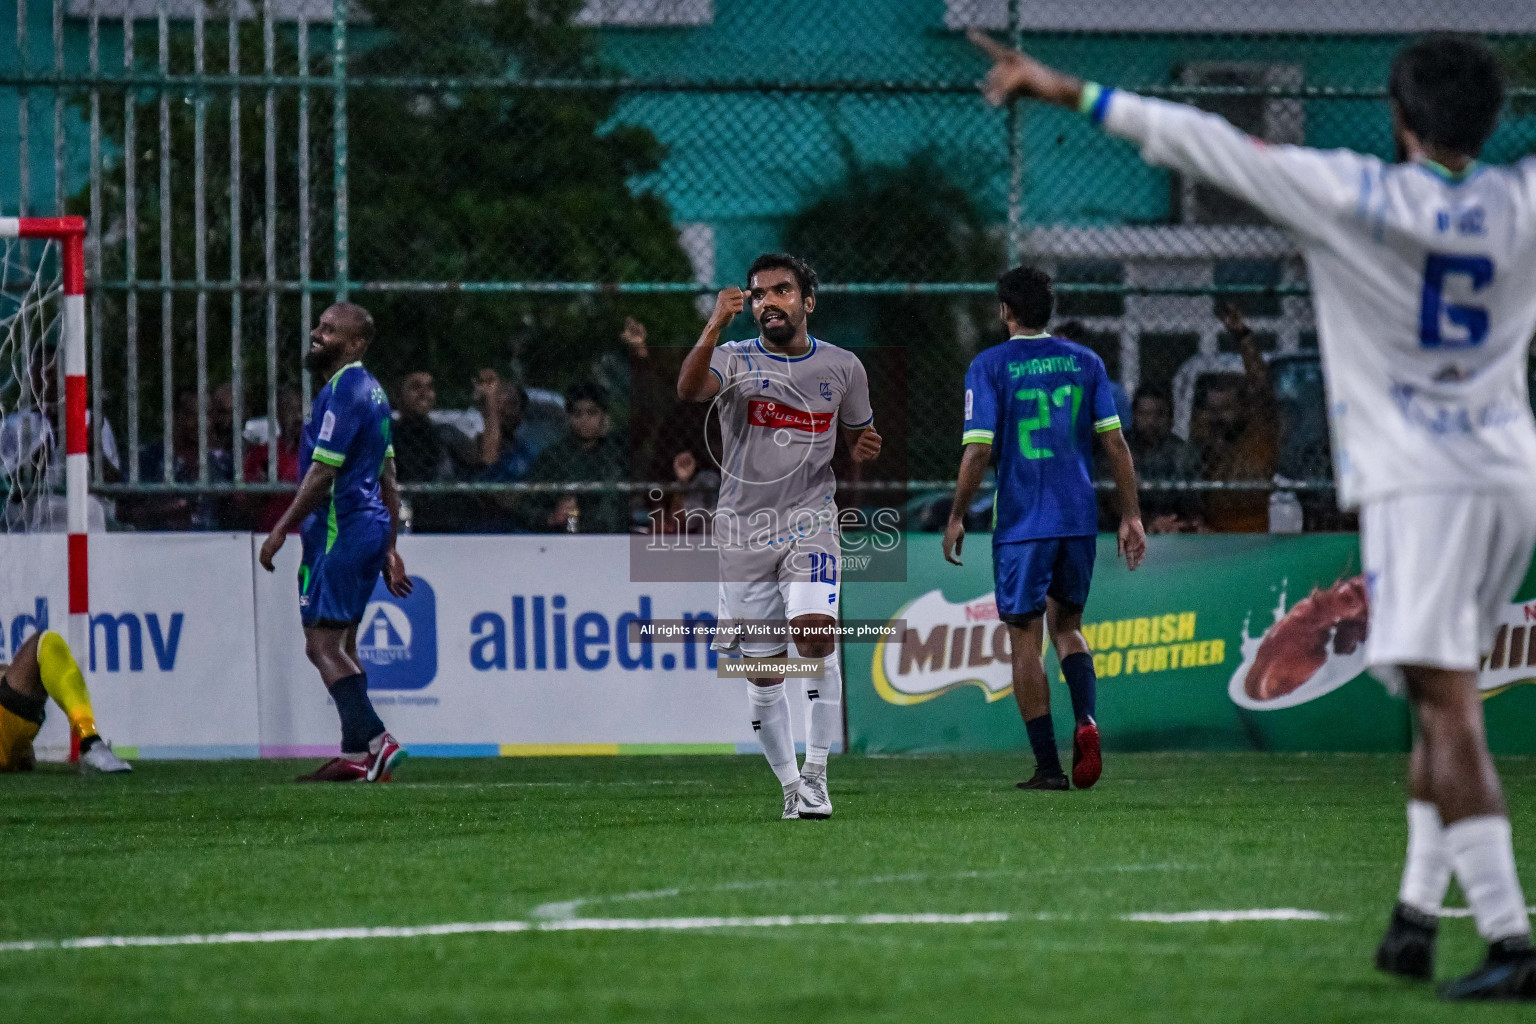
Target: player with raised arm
{"x": 349, "y": 508}
{"x": 1041, "y": 400}
{"x": 1424, "y": 279}
{"x": 43, "y": 667}
{"x": 779, "y": 397}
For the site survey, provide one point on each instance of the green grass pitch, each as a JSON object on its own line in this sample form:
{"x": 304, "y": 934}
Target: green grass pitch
{"x": 184, "y": 848}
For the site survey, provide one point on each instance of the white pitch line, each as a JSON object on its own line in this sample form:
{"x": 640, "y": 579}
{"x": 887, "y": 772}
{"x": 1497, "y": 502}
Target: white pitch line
{"x": 1229, "y": 916}
{"x": 1467, "y": 912}
{"x": 593, "y": 924}
{"x": 568, "y": 909}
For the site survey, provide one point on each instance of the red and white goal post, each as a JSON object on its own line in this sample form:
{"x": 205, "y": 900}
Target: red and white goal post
{"x": 68, "y": 233}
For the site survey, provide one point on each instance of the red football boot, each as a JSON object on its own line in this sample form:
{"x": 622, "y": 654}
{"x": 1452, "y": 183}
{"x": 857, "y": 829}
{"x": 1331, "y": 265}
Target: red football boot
{"x": 1087, "y": 762}
{"x": 381, "y": 765}
{"x": 338, "y": 769}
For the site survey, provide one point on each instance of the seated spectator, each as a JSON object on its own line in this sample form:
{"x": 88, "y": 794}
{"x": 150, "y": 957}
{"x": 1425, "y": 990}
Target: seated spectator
{"x": 430, "y": 452}
{"x": 505, "y": 456}
{"x": 425, "y": 451}
{"x": 585, "y": 455}
{"x": 1160, "y": 454}
{"x": 290, "y": 424}
{"x": 178, "y": 511}
{"x": 221, "y": 432}
{"x": 1238, "y": 433}
{"x": 687, "y": 510}
{"x": 503, "y": 453}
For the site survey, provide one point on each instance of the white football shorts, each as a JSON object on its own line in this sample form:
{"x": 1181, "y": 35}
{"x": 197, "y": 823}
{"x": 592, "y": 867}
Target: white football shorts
{"x": 1440, "y": 569}
{"x": 776, "y": 584}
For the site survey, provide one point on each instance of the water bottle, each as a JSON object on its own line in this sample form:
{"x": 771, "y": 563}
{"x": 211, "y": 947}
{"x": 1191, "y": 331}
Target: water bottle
{"x": 573, "y": 520}
{"x": 1284, "y": 512}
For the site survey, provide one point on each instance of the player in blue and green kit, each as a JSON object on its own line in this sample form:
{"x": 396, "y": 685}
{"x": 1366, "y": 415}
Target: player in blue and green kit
{"x": 1041, "y": 401}
{"x": 349, "y": 509}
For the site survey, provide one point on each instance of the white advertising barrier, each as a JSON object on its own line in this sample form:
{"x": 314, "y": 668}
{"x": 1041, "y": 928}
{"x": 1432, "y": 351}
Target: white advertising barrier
{"x": 172, "y": 657}
{"x": 509, "y": 645}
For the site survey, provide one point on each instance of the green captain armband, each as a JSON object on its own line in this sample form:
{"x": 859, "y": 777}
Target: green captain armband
{"x": 329, "y": 457}
{"x": 976, "y": 437}
{"x": 1107, "y": 424}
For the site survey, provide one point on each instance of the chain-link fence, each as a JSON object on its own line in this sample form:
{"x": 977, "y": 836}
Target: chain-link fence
{"x": 513, "y": 187}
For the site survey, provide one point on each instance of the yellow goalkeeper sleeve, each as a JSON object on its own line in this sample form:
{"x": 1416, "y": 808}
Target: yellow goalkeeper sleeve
{"x": 65, "y": 684}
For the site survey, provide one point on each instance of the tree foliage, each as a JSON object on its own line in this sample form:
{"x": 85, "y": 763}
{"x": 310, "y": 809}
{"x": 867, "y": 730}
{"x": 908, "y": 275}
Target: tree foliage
{"x": 496, "y": 184}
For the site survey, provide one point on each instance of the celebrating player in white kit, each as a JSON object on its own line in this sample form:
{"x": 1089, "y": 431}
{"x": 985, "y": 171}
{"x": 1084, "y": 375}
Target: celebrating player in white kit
{"x": 1424, "y": 279}
{"x": 779, "y": 397}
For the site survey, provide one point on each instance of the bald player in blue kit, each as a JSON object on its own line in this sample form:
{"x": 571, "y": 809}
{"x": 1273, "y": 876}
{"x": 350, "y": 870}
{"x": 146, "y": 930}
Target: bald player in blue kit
{"x": 349, "y": 508}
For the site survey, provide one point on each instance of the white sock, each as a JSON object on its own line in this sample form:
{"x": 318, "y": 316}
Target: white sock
{"x": 824, "y": 716}
{"x": 1427, "y": 873}
{"x": 1484, "y": 858}
{"x": 770, "y": 720}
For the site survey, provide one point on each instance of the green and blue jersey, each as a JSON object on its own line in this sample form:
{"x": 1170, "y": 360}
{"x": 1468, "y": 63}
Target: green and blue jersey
{"x": 349, "y": 428}
{"x": 1039, "y": 400}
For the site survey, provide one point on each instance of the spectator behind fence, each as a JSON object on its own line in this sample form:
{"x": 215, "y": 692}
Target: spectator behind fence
{"x": 177, "y": 511}
{"x": 1238, "y": 434}
{"x": 688, "y": 510}
{"x": 587, "y": 454}
{"x": 503, "y": 453}
{"x": 1160, "y": 454}
{"x": 430, "y": 452}
{"x": 427, "y": 452}
{"x": 265, "y": 512}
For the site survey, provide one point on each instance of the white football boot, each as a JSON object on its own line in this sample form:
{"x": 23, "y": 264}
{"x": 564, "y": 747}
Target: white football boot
{"x": 792, "y": 801}
{"x": 814, "y": 799}
{"x": 101, "y": 759}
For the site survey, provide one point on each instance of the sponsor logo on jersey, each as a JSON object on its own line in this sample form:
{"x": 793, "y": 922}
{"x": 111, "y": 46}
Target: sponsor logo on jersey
{"x": 397, "y": 638}
{"x": 774, "y": 415}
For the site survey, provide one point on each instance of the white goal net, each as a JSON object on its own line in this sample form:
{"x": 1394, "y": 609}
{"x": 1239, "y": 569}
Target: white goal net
{"x": 31, "y": 387}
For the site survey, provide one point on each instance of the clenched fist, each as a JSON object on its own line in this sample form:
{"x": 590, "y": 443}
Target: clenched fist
{"x": 728, "y": 303}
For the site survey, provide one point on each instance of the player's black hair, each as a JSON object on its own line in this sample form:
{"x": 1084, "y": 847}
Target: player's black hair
{"x": 1448, "y": 91}
{"x": 1026, "y": 291}
{"x": 589, "y": 391}
{"x": 805, "y": 277}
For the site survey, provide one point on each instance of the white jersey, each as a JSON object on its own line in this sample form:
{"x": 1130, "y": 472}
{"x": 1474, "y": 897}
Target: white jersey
{"x": 1424, "y": 285}
{"x": 778, "y": 420}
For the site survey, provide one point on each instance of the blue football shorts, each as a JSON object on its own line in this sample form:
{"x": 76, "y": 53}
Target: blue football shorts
{"x": 336, "y": 578}
{"x": 1026, "y": 572}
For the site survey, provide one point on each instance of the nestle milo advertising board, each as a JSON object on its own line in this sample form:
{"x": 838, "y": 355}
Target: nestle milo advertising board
{"x": 1216, "y": 642}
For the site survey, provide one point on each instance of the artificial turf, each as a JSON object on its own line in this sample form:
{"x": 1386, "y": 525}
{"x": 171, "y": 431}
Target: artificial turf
{"x": 216, "y": 847}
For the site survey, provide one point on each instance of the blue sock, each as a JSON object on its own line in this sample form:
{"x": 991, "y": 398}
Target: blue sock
{"x": 1081, "y": 683}
{"x": 359, "y": 722}
{"x": 1042, "y": 739}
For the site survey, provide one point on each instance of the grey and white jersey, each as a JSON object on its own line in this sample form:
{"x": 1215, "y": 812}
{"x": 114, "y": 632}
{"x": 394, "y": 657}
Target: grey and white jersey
{"x": 778, "y": 420}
